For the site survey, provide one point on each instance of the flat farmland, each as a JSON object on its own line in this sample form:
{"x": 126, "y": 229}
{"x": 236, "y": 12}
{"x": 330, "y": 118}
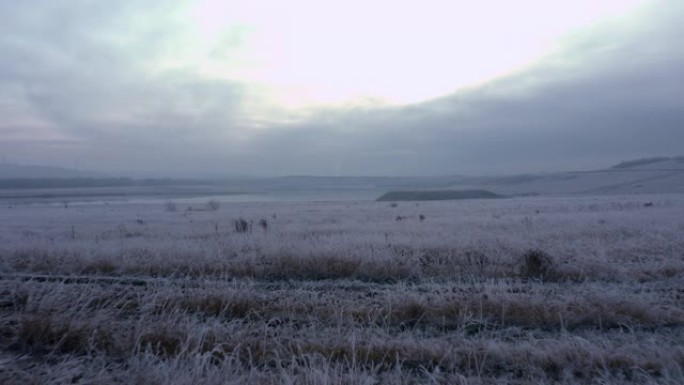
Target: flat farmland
{"x": 570, "y": 290}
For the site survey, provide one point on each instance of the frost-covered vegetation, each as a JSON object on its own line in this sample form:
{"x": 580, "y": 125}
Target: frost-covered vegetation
{"x": 515, "y": 291}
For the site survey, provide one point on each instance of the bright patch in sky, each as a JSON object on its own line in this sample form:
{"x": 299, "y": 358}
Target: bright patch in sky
{"x": 310, "y": 53}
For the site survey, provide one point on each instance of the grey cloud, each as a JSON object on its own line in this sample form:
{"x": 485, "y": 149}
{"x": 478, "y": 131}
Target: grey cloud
{"x": 620, "y": 96}
{"x": 612, "y": 92}
{"x": 82, "y": 66}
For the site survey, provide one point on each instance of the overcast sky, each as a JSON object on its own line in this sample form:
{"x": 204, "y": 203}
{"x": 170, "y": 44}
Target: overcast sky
{"x": 264, "y": 87}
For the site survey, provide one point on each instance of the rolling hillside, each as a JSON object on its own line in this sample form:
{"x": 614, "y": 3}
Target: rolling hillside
{"x": 657, "y": 175}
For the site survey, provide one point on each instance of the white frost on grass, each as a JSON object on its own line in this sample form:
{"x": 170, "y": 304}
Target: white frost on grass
{"x": 345, "y": 293}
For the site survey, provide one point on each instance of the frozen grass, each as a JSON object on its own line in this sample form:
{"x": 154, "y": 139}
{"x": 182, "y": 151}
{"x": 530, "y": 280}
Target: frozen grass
{"x": 524, "y": 291}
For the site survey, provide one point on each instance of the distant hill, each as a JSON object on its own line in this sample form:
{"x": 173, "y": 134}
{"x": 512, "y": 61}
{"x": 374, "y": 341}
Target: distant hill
{"x": 15, "y": 171}
{"x": 666, "y": 162}
{"x": 647, "y": 175}
{"x": 437, "y": 195}
{"x": 47, "y": 183}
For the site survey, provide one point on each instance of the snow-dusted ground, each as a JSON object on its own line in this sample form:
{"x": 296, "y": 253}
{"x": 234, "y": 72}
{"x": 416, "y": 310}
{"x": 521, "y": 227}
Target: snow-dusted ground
{"x": 345, "y": 292}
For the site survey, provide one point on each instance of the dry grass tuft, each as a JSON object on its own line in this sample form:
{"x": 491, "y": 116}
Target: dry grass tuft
{"x": 537, "y": 264}
{"x": 164, "y": 339}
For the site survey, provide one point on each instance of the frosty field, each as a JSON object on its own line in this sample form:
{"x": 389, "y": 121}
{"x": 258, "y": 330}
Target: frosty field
{"x": 571, "y": 290}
